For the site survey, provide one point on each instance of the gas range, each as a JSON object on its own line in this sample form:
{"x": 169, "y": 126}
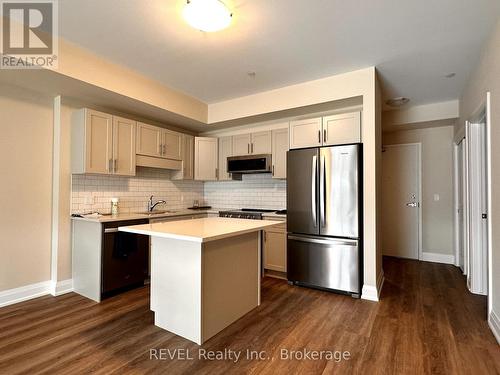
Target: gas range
{"x": 245, "y": 213}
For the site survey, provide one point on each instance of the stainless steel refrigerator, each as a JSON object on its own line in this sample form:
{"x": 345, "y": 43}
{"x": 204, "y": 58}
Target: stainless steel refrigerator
{"x": 324, "y": 188}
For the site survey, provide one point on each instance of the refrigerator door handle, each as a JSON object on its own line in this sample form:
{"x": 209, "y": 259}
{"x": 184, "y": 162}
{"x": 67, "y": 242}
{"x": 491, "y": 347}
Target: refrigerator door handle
{"x": 322, "y": 181}
{"x": 313, "y": 189}
{"x": 324, "y": 241}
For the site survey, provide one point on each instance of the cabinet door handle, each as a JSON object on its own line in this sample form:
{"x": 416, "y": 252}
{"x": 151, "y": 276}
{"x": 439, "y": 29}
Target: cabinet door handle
{"x": 217, "y": 173}
{"x": 252, "y": 148}
{"x": 273, "y": 171}
{"x": 265, "y": 236}
{"x": 115, "y": 165}
{"x": 110, "y": 167}
{"x": 248, "y": 148}
{"x": 319, "y": 136}
{"x": 325, "y": 135}
{"x": 164, "y": 149}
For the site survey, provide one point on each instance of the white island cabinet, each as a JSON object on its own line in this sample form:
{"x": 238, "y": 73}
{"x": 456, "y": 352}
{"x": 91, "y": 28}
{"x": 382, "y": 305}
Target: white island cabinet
{"x": 205, "y": 273}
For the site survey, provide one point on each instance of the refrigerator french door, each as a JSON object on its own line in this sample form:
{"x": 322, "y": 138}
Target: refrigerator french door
{"x": 323, "y": 217}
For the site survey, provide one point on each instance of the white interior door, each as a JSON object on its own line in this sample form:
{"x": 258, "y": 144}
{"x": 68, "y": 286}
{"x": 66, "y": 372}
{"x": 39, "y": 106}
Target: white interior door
{"x": 401, "y": 200}
{"x": 476, "y": 259}
{"x": 460, "y": 202}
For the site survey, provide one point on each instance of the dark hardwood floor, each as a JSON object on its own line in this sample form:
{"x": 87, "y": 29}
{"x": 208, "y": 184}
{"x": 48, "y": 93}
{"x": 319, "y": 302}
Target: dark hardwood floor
{"x": 426, "y": 322}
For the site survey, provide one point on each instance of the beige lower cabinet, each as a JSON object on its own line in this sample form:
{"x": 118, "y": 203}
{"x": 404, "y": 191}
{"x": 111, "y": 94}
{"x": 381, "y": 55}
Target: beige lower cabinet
{"x": 205, "y": 158}
{"x": 275, "y": 248}
{"x": 103, "y": 144}
{"x": 187, "y": 152}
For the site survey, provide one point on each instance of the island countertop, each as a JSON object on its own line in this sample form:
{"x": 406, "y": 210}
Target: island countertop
{"x": 200, "y": 230}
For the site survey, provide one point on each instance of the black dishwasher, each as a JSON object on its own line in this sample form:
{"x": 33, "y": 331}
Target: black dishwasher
{"x": 125, "y": 258}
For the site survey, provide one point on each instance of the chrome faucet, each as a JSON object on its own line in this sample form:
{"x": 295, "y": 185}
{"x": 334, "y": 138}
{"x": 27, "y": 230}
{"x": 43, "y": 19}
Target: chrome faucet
{"x": 151, "y": 205}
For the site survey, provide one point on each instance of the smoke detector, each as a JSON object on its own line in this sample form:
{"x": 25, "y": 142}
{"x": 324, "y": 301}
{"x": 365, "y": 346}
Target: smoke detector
{"x": 397, "y": 102}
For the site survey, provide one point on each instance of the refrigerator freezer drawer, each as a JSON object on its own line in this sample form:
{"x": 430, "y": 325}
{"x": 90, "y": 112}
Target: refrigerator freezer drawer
{"x": 324, "y": 262}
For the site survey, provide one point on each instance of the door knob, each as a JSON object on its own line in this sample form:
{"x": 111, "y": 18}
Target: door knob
{"x": 412, "y": 204}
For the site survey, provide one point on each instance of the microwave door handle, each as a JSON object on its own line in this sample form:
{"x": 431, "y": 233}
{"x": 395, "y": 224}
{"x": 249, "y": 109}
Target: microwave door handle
{"x": 313, "y": 189}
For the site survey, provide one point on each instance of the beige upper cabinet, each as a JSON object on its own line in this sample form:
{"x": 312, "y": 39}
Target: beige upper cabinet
{"x": 261, "y": 143}
{"x": 225, "y": 150}
{"x": 252, "y": 143}
{"x": 149, "y": 140}
{"x": 280, "y": 147}
{"x": 326, "y": 131}
{"x": 172, "y": 145}
{"x": 98, "y": 142}
{"x": 342, "y": 129}
{"x": 205, "y": 158}
{"x": 305, "y": 133}
{"x": 188, "y": 161}
{"x": 124, "y": 146}
{"x": 157, "y": 142}
{"x": 187, "y": 154}
{"x": 241, "y": 144}
{"x": 102, "y": 144}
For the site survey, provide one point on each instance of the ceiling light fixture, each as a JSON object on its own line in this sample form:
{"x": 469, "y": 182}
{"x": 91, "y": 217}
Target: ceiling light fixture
{"x": 207, "y": 15}
{"x": 397, "y": 102}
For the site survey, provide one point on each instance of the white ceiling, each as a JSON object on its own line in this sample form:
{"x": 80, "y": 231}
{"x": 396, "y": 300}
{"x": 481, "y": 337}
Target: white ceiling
{"x": 412, "y": 43}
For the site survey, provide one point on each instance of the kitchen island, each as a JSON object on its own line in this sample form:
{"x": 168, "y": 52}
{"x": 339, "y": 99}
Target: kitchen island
{"x": 205, "y": 273}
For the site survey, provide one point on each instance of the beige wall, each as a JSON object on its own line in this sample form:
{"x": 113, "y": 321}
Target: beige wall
{"x": 378, "y": 177}
{"x": 486, "y": 77}
{"x": 437, "y": 178}
{"x": 87, "y": 67}
{"x": 64, "y": 232}
{"x": 26, "y": 188}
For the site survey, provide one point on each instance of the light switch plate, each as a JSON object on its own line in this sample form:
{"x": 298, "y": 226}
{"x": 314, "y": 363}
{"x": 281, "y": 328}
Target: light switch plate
{"x": 436, "y": 197}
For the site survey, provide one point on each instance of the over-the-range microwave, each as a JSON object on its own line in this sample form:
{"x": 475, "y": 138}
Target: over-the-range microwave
{"x": 249, "y": 164}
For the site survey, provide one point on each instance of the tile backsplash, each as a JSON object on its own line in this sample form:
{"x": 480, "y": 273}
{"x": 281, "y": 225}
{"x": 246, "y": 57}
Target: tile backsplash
{"x": 254, "y": 191}
{"x": 92, "y": 193}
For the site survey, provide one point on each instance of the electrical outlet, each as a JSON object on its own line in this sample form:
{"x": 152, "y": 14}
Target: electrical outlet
{"x": 436, "y": 197}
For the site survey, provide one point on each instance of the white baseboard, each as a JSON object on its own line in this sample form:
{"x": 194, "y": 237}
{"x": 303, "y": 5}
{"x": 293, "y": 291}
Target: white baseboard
{"x": 27, "y": 292}
{"x": 438, "y": 258}
{"x": 61, "y": 287}
{"x": 372, "y": 293}
{"x": 494, "y": 323}
{"x": 24, "y": 293}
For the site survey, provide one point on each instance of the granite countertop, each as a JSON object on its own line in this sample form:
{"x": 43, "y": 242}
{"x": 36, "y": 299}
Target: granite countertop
{"x": 106, "y": 218}
{"x": 201, "y": 230}
{"x": 136, "y": 216}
